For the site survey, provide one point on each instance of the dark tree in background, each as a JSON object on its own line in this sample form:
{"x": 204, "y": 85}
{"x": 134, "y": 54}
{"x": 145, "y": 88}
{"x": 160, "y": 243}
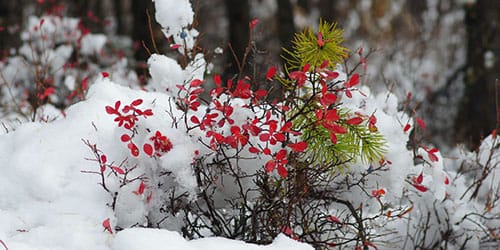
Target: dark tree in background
{"x": 125, "y": 19}
{"x": 10, "y": 19}
{"x": 286, "y": 26}
{"x": 238, "y": 18}
{"x": 140, "y": 30}
{"x": 477, "y": 115}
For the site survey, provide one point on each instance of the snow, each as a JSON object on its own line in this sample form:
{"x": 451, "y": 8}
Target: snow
{"x": 49, "y": 203}
{"x": 92, "y": 44}
{"x": 173, "y": 15}
{"x": 154, "y": 239}
{"x": 165, "y": 73}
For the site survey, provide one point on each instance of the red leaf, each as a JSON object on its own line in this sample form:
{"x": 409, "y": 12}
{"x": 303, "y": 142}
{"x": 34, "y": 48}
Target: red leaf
{"x": 148, "y": 149}
{"x": 104, "y": 74}
{"x": 133, "y": 149}
{"x": 218, "y": 137}
{"x": 253, "y": 150}
{"x": 270, "y": 166}
{"x": 378, "y": 192}
{"x": 118, "y": 170}
{"x": 127, "y": 109}
{"x": 324, "y": 64}
{"x": 235, "y": 130}
{"x": 147, "y": 112}
{"x": 298, "y": 147}
{"x": 333, "y": 138}
{"x": 360, "y": 51}
{"x": 328, "y": 99}
{"x": 299, "y": 76}
{"x": 432, "y": 157}
{"x": 110, "y": 110}
{"x": 41, "y": 22}
{"x": 287, "y": 230}
{"x": 181, "y": 87}
{"x": 355, "y": 121}
{"x": 103, "y": 168}
{"x": 253, "y": 23}
{"x": 446, "y": 180}
{"x": 266, "y": 151}
{"x": 420, "y": 178}
{"x": 84, "y": 83}
{"x": 117, "y": 105}
{"x": 306, "y": 67}
{"x": 433, "y": 150}
{"x": 420, "y": 188}
{"x": 332, "y": 74}
{"x": 260, "y": 93}
{"x": 196, "y": 83}
{"x": 407, "y": 127}
{"x": 339, "y": 129}
{"x": 333, "y": 219}
{"x": 421, "y": 123}
{"x": 281, "y": 155}
{"x": 195, "y": 120}
{"x": 280, "y": 137}
{"x": 348, "y": 93}
{"x": 125, "y": 138}
{"x": 217, "y": 80}
{"x": 282, "y": 171}
{"x": 264, "y": 137}
{"x": 141, "y": 189}
{"x": 271, "y": 72}
{"x": 353, "y": 81}
{"x": 331, "y": 115}
{"x": 107, "y": 226}
{"x": 103, "y": 159}
{"x": 137, "y": 102}
{"x": 320, "y": 40}
{"x": 175, "y": 46}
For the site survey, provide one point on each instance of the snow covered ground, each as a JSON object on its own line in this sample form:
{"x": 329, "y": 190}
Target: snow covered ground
{"x": 47, "y": 202}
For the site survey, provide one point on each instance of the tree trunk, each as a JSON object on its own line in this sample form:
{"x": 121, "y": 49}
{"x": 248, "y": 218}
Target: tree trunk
{"x": 141, "y": 28}
{"x": 477, "y": 113}
{"x": 124, "y": 17}
{"x": 286, "y": 27}
{"x": 238, "y": 17}
{"x": 11, "y": 23}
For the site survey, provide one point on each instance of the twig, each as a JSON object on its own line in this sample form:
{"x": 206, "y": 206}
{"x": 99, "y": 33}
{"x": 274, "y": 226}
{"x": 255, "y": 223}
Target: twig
{"x": 4, "y": 245}
{"x": 151, "y": 34}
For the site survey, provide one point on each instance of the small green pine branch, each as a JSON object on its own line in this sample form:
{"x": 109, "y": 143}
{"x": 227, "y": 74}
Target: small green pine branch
{"x": 358, "y": 141}
{"x": 313, "y": 48}
{"x": 369, "y": 145}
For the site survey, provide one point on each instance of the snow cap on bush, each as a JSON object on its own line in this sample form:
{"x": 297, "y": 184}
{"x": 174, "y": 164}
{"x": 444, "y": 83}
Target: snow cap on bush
{"x": 173, "y": 15}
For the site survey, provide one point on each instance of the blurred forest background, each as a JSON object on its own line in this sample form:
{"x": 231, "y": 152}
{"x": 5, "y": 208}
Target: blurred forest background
{"x": 444, "y": 52}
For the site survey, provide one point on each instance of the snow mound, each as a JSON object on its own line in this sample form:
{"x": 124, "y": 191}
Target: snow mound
{"x": 48, "y": 202}
{"x": 156, "y": 239}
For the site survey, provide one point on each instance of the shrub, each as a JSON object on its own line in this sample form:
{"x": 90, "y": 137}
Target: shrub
{"x": 328, "y": 163}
